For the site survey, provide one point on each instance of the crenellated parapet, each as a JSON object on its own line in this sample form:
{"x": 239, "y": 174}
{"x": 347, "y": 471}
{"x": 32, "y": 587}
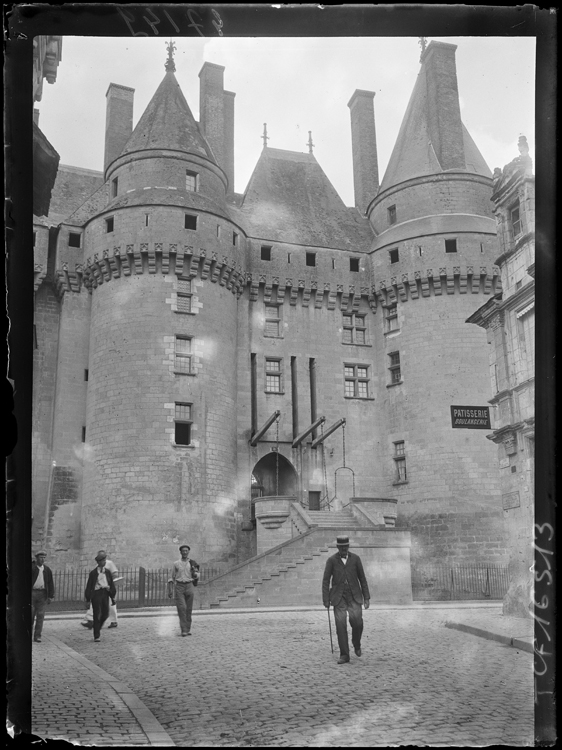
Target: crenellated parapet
{"x": 307, "y": 293}
{"x": 164, "y": 258}
{"x": 439, "y": 282}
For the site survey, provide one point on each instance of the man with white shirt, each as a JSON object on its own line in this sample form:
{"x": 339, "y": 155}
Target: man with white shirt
{"x": 88, "y": 621}
{"x": 348, "y": 591}
{"x": 99, "y": 589}
{"x": 185, "y": 574}
{"x": 42, "y": 592}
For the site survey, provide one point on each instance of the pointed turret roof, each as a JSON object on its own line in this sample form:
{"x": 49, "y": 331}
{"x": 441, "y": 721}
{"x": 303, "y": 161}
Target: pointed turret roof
{"x": 290, "y": 199}
{"x": 168, "y": 123}
{"x": 432, "y": 137}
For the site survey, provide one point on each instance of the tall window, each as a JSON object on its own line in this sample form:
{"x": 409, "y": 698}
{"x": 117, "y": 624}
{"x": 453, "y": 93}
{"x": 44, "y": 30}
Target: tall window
{"x": 182, "y": 423}
{"x": 526, "y": 333}
{"x": 191, "y": 181}
{"x": 394, "y": 367}
{"x": 235, "y": 239}
{"x": 515, "y": 219}
{"x": 109, "y": 224}
{"x": 354, "y": 264}
{"x": 311, "y": 259}
{"x": 273, "y": 320}
{"x": 391, "y": 214}
{"x": 184, "y": 295}
{"x": 273, "y": 379}
{"x": 354, "y": 329}
{"x": 400, "y": 461}
{"x": 356, "y": 381}
{"x": 394, "y": 255}
{"x": 182, "y": 358}
{"x": 391, "y": 318}
{"x": 114, "y": 187}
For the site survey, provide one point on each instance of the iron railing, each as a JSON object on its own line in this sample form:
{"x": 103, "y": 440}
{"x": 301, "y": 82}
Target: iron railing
{"x": 138, "y": 587}
{"x": 457, "y": 582}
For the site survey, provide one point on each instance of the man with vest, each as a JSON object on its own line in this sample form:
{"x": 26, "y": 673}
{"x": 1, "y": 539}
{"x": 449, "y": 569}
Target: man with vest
{"x": 349, "y": 590}
{"x": 99, "y": 589}
{"x": 185, "y": 574}
{"x": 42, "y": 592}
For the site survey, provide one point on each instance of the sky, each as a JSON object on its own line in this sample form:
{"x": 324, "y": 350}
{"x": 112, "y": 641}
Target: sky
{"x": 295, "y": 85}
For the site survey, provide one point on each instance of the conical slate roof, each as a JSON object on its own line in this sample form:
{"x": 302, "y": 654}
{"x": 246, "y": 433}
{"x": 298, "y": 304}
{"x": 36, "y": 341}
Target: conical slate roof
{"x": 431, "y": 116}
{"x": 290, "y": 199}
{"x": 167, "y": 123}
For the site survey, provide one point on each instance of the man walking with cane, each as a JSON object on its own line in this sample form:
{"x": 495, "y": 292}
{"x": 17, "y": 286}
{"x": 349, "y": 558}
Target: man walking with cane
{"x": 349, "y": 590}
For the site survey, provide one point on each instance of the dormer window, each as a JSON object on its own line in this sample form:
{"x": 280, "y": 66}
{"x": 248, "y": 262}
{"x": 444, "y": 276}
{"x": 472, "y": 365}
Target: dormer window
{"x": 191, "y": 181}
{"x": 515, "y": 219}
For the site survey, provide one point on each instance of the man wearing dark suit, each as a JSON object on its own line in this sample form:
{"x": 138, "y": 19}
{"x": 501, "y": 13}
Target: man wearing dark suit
{"x": 348, "y": 591}
{"x": 99, "y": 589}
{"x": 42, "y": 592}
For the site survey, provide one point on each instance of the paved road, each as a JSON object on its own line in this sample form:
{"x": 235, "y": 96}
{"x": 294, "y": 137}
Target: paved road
{"x": 269, "y": 679}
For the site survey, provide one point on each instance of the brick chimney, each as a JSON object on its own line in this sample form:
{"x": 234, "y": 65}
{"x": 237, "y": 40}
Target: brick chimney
{"x": 118, "y": 120}
{"x": 443, "y": 110}
{"x": 364, "y": 147}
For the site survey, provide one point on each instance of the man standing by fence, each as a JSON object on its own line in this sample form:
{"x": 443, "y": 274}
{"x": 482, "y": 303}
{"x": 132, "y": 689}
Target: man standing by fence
{"x": 88, "y": 621}
{"x": 185, "y": 573}
{"x": 42, "y": 592}
{"x": 99, "y": 589}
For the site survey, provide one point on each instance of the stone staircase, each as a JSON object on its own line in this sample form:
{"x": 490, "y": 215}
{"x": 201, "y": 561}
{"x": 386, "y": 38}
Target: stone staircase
{"x": 333, "y": 519}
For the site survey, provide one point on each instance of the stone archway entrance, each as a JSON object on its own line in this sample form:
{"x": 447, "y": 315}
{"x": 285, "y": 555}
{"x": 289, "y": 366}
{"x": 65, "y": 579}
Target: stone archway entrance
{"x": 274, "y": 475}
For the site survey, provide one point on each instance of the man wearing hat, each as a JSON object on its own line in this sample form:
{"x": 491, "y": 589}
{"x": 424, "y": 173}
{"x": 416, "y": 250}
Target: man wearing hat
{"x": 99, "y": 589}
{"x": 88, "y": 621}
{"x": 348, "y": 591}
{"x": 42, "y": 592}
{"x": 185, "y": 573}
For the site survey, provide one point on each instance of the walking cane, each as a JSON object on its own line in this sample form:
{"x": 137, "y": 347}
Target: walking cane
{"x": 330, "y": 624}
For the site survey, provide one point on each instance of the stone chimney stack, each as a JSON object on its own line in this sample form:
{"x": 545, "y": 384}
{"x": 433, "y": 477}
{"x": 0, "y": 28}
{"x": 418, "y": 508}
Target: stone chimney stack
{"x": 211, "y": 108}
{"x": 443, "y": 110}
{"x": 118, "y": 120}
{"x": 229, "y": 138}
{"x": 364, "y": 148}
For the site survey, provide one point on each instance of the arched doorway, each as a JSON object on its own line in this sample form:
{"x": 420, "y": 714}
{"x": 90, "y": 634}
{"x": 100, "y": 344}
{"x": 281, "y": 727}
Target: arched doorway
{"x": 274, "y": 475}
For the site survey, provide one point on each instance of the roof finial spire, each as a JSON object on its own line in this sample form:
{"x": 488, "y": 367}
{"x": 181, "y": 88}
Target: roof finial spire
{"x": 265, "y": 136}
{"x": 310, "y": 144}
{"x": 423, "y": 44}
{"x": 170, "y": 64}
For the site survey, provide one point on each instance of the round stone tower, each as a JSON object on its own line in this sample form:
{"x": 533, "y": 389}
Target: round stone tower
{"x": 432, "y": 263}
{"x": 163, "y": 263}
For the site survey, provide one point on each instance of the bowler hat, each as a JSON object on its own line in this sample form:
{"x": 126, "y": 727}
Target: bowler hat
{"x": 102, "y": 553}
{"x": 100, "y": 556}
{"x": 342, "y": 541}
{"x": 184, "y": 545}
{"x": 41, "y": 552}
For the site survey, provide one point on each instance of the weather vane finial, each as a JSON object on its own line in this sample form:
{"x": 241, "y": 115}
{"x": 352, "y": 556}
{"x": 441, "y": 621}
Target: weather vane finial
{"x": 265, "y": 135}
{"x": 310, "y": 144}
{"x": 423, "y": 44}
{"x": 170, "y": 64}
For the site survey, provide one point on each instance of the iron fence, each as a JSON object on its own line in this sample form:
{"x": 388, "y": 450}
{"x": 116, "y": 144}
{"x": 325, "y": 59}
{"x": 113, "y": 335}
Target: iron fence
{"x": 137, "y": 587}
{"x": 457, "y": 582}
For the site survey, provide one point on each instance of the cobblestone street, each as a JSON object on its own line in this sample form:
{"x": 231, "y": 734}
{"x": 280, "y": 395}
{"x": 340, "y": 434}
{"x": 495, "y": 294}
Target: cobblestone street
{"x": 269, "y": 679}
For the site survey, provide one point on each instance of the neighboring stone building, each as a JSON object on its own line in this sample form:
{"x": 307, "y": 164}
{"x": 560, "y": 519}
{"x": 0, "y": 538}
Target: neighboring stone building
{"x": 191, "y": 339}
{"x": 509, "y": 318}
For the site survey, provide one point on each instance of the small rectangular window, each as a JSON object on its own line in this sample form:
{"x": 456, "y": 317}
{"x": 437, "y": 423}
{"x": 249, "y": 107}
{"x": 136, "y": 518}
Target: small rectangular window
{"x": 73, "y": 239}
{"x": 183, "y": 422}
{"x": 86, "y": 375}
{"x": 394, "y": 367}
{"x": 311, "y": 259}
{"x": 354, "y": 329}
{"x": 354, "y": 264}
{"x": 218, "y": 230}
{"x": 265, "y": 252}
{"x": 391, "y": 214}
{"x": 190, "y": 221}
{"x": 333, "y": 264}
{"x": 288, "y": 257}
{"x": 400, "y": 461}
{"x": 83, "y": 434}
{"x": 515, "y": 219}
{"x": 191, "y": 181}
{"x": 273, "y": 320}
{"x": 235, "y": 239}
{"x": 394, "y": 257}
{"x": 184, "y": 295}
{"x": 273, "y": 376}
{"x": 109, "y": 224}
{"x": 450, "y": 246}
{"x": 114, "y": 187}
{"x": 391, "y": 317}
{"x": 146, "y": 219}
{"x": 182, "y": 360}
{"x": 356, "y": 381}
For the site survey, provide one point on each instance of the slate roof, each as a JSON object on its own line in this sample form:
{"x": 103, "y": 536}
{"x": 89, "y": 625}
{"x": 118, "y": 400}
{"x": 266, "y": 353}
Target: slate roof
{"x": 413, "y": 154}
{"x": 290, "y": 199}
{"x": 73, "y": 186}
{"x": 168, "y": 123}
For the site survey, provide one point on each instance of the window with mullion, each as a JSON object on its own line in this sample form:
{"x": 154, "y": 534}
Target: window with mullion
{"x": 391, "y": 317}
{"x": 394, "y": 367}
{"x": 400, "y": 461}
{"x": 183, "y": 354}
{"x": 184, "y": 295}
{"x": 272, "y": 320}
{"x": 354, "y": 329}
{"x": 182, "y": 423}
{"x": 356, "y": 381}
{"x": 273, "y": 376}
